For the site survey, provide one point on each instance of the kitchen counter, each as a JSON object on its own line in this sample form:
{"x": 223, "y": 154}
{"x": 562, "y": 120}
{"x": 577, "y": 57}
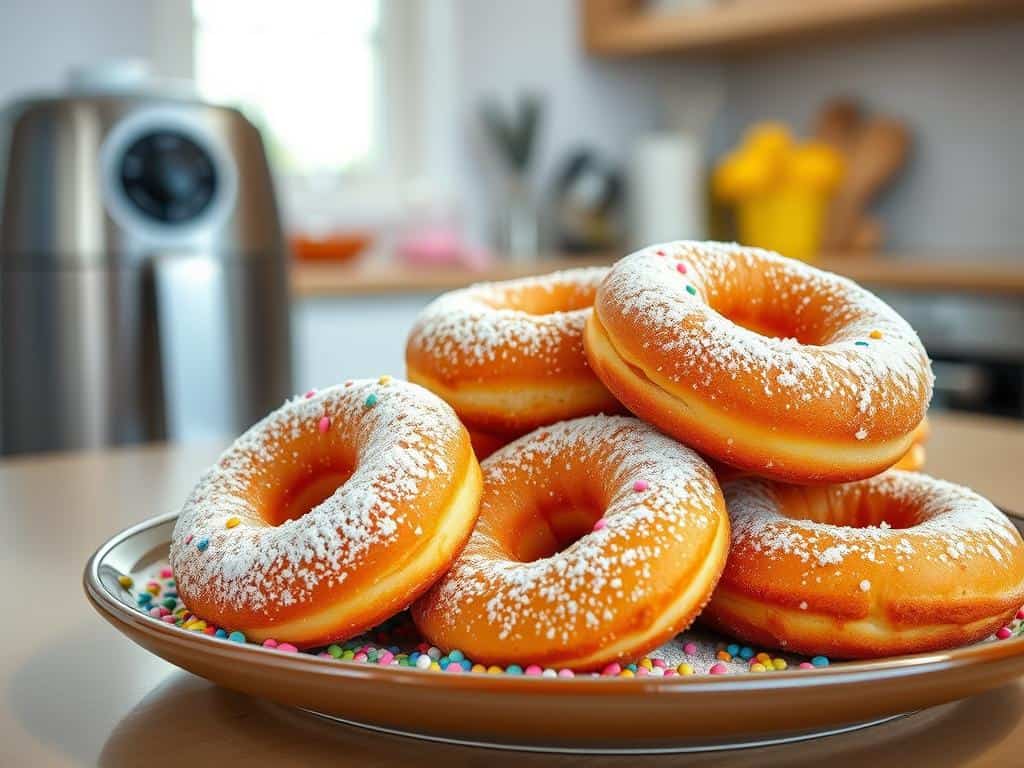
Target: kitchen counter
{"x": 75, "y": 692}
{"x": 905, "y": 272}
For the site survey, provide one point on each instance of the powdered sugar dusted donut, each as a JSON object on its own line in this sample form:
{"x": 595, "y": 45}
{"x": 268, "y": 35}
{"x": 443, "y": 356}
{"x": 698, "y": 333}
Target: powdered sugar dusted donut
{"x": 330, "y": 515}
{"x": 598, "y": 540}
{"x": 900, "y": 563}
{"x": 760, "y": 361}
{"x": 509, "y": 356}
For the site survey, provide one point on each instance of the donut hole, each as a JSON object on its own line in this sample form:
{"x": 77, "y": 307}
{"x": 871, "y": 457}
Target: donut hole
{"x": 307, "y": 493}
{"x": 534, "y": 300}
{"x": 850, "y": 507}
{"x": 553, "y": 526}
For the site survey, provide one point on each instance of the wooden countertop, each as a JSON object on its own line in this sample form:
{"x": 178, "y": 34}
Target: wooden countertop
{"x": 905, "y": 272}
{"x": 73, "y": 692}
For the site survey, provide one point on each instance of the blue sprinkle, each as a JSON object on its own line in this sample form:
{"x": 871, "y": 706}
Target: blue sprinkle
{"x": 394, "y": 649}
{"x": 443, "y": 662}
{"x": 467, "y": 665}
{"x": 820, "y": 661}
{"x": 202, "y": 544}
{"x": 732, "y": 649}
{"x": 456, "y": 655}
{"x": 171, "y": 594}
{"x": 413, "y": 656}
{"x": 220, "y": 633}
{"x": 144, "y": 598}
{"x": 513, "y": 669}
{"x": 746, "y": 653}
{"x": 860, "y": 343}
{"x": 631, "y": 667}
{"x": 371, "y": 401}
{"x": 236, "y": 637}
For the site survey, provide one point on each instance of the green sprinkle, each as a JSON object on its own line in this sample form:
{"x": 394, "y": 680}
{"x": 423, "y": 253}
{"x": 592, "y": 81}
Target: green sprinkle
{"x": 371, "y": 401}
{"x": 335, "y": 651}
{"x": 691, "y": 290}
{"x": 860, "y": 343}
{"x": 169, "y": 603}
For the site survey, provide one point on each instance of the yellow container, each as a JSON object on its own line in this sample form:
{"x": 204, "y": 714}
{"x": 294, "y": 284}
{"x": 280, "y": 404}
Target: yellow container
{"x": 789, "y": 220}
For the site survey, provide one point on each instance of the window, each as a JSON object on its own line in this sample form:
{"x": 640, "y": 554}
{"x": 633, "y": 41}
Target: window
{"x": 309, "y": 73}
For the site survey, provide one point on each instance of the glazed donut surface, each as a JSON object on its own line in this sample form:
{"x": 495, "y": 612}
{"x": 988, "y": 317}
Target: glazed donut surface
{"x": 598, "y": 539}
{"x": 508, "y": 356}
{"x": 759, "y": 361}
{"x": 900, "y": 563}
{"x": 328, "y": 516}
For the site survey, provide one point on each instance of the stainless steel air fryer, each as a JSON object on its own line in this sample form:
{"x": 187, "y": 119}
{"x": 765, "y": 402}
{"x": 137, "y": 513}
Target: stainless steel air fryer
{"x": 143, "y": 293}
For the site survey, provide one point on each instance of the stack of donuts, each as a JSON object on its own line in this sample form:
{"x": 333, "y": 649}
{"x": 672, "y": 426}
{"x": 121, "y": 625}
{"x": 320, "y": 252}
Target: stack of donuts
{"x": 702, "y": 431}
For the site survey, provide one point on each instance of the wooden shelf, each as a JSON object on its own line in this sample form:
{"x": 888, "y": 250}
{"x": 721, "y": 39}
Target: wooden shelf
{"x": 905, "y": 272}
{"x": 625, "y": 28}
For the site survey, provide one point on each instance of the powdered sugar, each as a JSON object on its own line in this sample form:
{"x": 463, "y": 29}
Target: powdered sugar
{"x": 482, "y": 324}
{"x": 399, "y": 444}
{"x": 585, "y": 589}
{"x": 857, "y": 349}
{"x": 943, "y": 514}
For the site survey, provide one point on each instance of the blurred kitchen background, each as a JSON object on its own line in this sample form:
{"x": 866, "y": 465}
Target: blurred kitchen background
{"x": 206, "y": 205}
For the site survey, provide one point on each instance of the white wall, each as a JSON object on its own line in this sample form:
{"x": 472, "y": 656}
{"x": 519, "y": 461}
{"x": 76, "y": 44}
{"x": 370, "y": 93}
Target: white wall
{"x": 41, "y": 40}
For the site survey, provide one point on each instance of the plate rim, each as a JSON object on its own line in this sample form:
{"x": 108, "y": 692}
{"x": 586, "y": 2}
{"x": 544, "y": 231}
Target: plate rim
{"x": 848, "y": 673}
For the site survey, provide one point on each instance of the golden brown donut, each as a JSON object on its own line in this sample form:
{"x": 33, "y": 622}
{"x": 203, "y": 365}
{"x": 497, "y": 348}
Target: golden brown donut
{"x": 598, "y": 539}
{"x": 509, "y": 356}
{"x": 900, "y": 563}
{"x": 913, "y": 460}
{"x": 760, "y": 361}
{"x": 328, "y": 516}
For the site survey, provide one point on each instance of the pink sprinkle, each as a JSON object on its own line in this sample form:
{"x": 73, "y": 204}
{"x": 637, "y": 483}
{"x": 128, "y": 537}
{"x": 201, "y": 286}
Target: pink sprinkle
{"x": 566, "y": 673}
{"x": 324, "y": 655}
{"x": 533, "y": 671}
{"x": 659, "y": 663}
{"x": 310, "y": 393}
{"x": 166, "y": 573}
{"x": 270, "y": 643}
{"x": 1020, "y": 613}
{"x": 188, "y": 539}
{"x": 806, "y": 665}
{"x": 349, "y": 383}
{"x": 324, "y": 425}
{"x": 454, "y": 668}
{"x": 670, "y": 672}
{"x": 359, "y": 657}
{"x": 690, "y": 648}
{"x": 287, "y": 648}
{"x": 155, "y": 611}
{"x": 385, "y": 658}
{"x": 640, "y": 485}
{"x": 660, "y": 252}
{"x": 681, "y": 268}
{"x": 1004, "y": 633}
{"x": 163, "y": 611}
{"x": 718, "y": 668}
{"x": 642, "y": 672}
{"x": 600, "y": 524}
{"x": 168, "y": 618}
{"x": 611, "y": 670}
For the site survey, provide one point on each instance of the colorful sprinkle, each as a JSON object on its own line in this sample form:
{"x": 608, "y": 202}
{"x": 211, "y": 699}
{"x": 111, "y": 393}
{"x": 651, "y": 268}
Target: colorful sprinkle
{"x": 203, "y": 544}
{"x": 640, "y": 485}
{"x": 691, "y": 290}
{"x": 860, "y": 343}
{"x": 125, "y": 581}
{"x": 820, "y": 661}
{"x": 324, "y": 424}
{"x": 371, "y": 400}
{"x": 270, "y": 643}
{"x": 287, "y": 648}
{"x": 232, "y": 522}
{"x": 875, "y": 334}
{"x": 690, "y": 648}
{"x": 681, "y": 268}
{"x": 611, "y": 669}
{"x": 188, "y": 539}
{"x": 533, "y": 670}
{"x": 757, "y": 666}
{"x": 384, "y": 380}
{"x": 310, "y": 394}
{"x": 684, "y": 669}
{"x": 1004, "y": 632}
{"x": 236, "y": 637}
{"x": 600, "y": 525}
{"x": 718, "y": 668}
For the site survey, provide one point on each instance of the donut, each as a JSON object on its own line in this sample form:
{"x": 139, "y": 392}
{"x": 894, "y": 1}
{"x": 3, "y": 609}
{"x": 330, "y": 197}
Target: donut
{"x": 598, "y": 540}
{"x": 330, "y": 515}
{"x": 913, "y": 460}
{"x": 508, "y": 356}
{"x": 759, "y": 361}
{"x": 899, "y": 563}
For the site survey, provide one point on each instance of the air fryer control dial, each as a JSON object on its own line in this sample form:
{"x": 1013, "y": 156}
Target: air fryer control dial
{"x": 168, "y": 176}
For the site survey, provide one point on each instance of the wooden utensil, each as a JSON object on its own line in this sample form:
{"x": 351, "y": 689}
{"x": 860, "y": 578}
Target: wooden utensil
{"x": 879, "y": 151}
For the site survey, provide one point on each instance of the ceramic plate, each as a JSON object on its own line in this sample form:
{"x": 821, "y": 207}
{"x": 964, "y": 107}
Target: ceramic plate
{"x": 590, "y": 714}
